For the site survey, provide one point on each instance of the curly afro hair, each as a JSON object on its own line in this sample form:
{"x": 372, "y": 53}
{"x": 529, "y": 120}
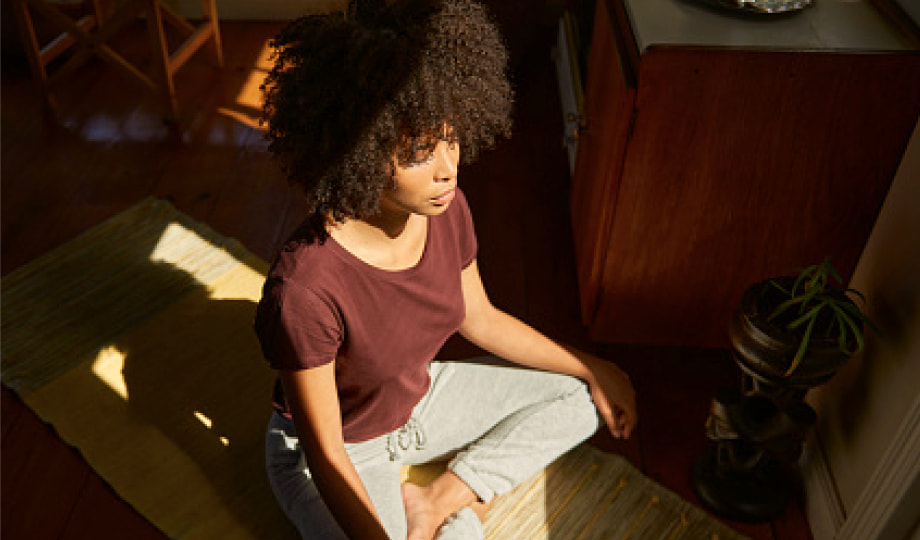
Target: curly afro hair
{"x": 349, "y": 92}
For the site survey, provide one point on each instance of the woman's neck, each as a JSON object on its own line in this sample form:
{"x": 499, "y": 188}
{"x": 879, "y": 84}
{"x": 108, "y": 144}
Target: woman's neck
{"x": 388, "y": 240}
{"x": 388, "y": 223}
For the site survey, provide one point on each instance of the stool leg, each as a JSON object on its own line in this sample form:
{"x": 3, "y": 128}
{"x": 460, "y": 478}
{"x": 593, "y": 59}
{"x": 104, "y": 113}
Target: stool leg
{"x": 98, "y": 13}
{"x": 32, "y": 49}
{"x": 161, "y": 59}
{"x": 209, "y": 8}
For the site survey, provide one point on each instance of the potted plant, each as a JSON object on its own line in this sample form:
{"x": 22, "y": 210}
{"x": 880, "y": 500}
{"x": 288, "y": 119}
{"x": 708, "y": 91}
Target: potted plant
{"x": 792, "y": 333}
{"x": 788, "y": 335}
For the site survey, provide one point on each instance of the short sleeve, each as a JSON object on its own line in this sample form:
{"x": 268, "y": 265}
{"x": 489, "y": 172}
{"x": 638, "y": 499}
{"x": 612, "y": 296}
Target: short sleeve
{"x": 296, "y": 327}
{"x": 467, "y": 232}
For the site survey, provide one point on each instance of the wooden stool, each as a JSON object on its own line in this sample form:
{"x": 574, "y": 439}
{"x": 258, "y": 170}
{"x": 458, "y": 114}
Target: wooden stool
{"x": 91, "y": 32}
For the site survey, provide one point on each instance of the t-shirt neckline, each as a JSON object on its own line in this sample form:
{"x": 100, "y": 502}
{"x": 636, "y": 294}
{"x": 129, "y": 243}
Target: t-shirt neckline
{"x": 356, "y": 261}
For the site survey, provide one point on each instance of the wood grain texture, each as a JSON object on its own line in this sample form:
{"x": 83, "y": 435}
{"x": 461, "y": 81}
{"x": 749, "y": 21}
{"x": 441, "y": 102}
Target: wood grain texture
{"x": 42, "y": 479}
{"x": 97, "y": 499}
{"x": 609, "y": 101}
{"x": 743, "y": 165}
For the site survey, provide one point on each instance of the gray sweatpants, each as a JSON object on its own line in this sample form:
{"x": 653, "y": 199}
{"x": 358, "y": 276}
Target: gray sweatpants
{"x": 497, "y": 423}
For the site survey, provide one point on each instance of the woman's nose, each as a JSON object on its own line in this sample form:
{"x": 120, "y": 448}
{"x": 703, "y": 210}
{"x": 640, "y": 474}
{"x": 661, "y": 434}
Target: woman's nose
{"x": 446, "y": 162}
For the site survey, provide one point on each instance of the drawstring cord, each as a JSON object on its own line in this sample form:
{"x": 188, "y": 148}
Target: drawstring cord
{"x": 401, "y": 439}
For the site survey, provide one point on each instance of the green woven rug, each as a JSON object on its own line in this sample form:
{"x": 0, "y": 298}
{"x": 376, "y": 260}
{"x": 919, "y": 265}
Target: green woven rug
{"x": 134, "y": 341}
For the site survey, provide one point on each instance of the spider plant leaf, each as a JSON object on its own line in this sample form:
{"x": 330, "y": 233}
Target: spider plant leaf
{"x": 780, "y": 309}
{"x": 868, "y": 322}
{"x": 782, "y": 289}
{"x": 852, "y": 309}
{"x": 844, "y": 328}
{"x": 809, "y": 295}
{"x": 803, "y": 276}
{"x": 858, "y": 294}
{"x": 859, "y": 315}
{"x": 811, "y": 316}
{"x": 841, "y": 327}
{"x": 854, "y": 329}
{"x": 800, "y": 353}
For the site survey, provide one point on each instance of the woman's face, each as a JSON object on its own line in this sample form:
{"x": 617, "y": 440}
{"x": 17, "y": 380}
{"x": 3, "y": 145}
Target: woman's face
{"x": 426, "y": 184}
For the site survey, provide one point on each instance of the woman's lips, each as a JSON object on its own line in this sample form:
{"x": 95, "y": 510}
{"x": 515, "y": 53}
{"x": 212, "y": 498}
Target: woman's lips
{"x": 445, "y": 197}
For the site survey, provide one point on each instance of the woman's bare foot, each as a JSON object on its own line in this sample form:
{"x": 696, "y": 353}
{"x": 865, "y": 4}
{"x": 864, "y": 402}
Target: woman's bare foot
{"x": 428, "y": 507}
{"x": 421, "y": 516}
{"x": 481, "y": 509}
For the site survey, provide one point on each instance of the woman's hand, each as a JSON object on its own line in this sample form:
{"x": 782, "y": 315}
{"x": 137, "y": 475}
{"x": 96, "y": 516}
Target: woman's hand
{"x": 614, "y": 397}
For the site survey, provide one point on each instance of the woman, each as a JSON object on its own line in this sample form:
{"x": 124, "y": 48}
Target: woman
{"x": 369, "y": 113}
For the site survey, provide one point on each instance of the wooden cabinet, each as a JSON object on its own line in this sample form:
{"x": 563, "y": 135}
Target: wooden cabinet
{"x": 718, "y": 150}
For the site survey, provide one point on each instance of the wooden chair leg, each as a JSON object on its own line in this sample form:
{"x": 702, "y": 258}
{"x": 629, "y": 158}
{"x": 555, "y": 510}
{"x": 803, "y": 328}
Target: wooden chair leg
{"x": 209, "y": 8}
{"x": 167, "y": 64}
{"x": 79, "y": 32}
{"x": 39, "y": 55}
{"x": 161, "y": 59}
{"x": 30, "y": 43}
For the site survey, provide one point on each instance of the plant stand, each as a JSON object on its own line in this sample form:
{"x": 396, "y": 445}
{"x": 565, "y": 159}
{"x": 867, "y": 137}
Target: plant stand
{"x": 750, "y": 474}
{"x": 759, "y": 430}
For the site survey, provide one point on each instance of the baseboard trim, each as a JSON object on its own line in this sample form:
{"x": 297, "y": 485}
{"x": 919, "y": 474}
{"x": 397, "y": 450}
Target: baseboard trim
{"x": 897, "y": 473}
{"x": 823, "y": 506}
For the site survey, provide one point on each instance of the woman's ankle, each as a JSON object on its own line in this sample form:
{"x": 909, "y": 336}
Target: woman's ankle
{"x": 448, "y": 494}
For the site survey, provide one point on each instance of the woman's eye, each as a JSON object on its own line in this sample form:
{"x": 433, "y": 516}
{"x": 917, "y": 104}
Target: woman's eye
{"x": 418, "y": 156}
{"x": 422, "y": 156}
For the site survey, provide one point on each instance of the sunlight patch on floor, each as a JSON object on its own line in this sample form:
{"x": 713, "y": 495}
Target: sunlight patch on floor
{"x": 208, "y": 423}
{"x": 247, "y": 106}
{"x": 108, "y": 367}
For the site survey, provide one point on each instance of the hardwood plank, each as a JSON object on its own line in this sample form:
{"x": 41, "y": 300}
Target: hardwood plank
{"x": 42, "y": 480}
{"x": 77, "y": 95}
{"x": 793, "y": 523}
{"x": 256, "y": 187}
{"x": 234, "y": 94}
{"x": 294, "y": 215}
{"x": 98, "y": 499}
{"x": 674, "y": 388}
{"x": 20, "y": 119}
{"x": 101, "y": 179}
{"x": 224, "y": 145}
{"x": 10, "y": 410}
{"x": 193, "y": 176}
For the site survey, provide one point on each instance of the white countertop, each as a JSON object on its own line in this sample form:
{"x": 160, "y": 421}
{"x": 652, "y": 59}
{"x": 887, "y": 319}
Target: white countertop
{"x": 826, "y": 24}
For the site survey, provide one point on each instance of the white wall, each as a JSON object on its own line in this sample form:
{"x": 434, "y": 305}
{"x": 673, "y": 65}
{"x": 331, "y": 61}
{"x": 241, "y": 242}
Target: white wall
{"x": 868, "y": 483}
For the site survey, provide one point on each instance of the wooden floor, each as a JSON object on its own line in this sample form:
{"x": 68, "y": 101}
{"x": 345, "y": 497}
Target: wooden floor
{"x": 106, "y": 148}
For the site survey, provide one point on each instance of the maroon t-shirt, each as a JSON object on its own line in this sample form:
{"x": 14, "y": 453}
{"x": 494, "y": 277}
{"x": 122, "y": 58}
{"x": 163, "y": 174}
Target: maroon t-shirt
{"x": 382, "y": 327}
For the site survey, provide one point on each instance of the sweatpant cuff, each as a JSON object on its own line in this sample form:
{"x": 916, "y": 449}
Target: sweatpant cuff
{"x": 471, "y": 479}
{"x": 463, "y": 525}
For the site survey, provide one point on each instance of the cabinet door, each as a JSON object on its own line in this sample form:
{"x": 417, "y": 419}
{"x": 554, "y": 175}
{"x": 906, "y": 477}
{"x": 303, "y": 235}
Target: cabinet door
{"x": 742, "y": 165}
{"x": 609, "y": 96}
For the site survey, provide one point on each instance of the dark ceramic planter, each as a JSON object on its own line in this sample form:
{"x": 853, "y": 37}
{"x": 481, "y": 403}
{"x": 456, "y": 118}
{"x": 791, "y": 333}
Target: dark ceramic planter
{"x": 764, "y": 349}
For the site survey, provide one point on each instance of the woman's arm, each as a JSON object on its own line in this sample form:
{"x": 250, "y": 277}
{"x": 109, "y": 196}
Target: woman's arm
{"x": 313, "y": 399}
{"x": 509, "y": 338}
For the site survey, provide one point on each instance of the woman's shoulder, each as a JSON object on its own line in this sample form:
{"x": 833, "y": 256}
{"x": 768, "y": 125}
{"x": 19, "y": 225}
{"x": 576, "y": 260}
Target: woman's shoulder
{"x": 307, "y": 264}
